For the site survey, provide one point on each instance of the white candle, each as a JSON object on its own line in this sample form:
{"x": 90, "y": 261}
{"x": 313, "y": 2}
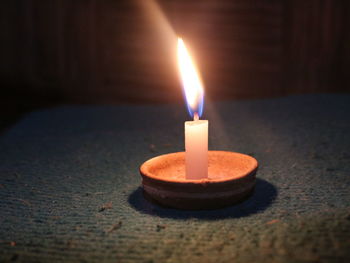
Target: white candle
{"x": 196, "y": 131}
{"x": 196, "y": 145}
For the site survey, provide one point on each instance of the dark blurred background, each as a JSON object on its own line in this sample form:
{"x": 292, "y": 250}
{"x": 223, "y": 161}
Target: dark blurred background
{"x": 113, "y": 51}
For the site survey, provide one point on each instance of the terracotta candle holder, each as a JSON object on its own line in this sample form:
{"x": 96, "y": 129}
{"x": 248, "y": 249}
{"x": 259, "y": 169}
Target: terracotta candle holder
{"x": 231, "y": 179}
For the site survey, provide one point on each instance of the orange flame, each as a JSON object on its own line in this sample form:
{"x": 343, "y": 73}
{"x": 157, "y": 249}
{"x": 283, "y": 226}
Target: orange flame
{"x": 191, "y": 80}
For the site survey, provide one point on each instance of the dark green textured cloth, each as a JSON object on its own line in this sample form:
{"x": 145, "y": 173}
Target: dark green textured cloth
{"x": 69, "y": 184}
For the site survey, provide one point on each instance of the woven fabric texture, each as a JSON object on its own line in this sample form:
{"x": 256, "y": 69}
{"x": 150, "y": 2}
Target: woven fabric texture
{"x": 70, "y": 187}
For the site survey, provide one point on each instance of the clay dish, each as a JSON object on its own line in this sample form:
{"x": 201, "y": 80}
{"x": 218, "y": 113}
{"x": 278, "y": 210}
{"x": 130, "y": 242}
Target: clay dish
{"x": 231, "y": 179}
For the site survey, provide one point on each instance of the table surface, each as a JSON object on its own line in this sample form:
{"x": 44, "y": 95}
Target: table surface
{"x": 70, "y": 187}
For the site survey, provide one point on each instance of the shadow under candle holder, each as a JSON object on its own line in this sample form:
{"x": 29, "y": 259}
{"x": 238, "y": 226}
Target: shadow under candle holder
{"x": 263, "y": 196}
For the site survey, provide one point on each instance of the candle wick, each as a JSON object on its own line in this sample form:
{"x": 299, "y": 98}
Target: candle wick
{"x": 195, "y": 116}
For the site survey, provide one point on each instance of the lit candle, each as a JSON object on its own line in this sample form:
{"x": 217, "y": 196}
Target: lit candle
{"x": 181, "y": 180}
{"x": 196, "y": 131}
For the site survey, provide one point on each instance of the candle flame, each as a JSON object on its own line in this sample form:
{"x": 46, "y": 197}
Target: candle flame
{"x": 191, "y": 81}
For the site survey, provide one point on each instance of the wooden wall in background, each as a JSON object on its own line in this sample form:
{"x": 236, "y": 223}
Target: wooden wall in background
{"x": 113, "y": 50}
